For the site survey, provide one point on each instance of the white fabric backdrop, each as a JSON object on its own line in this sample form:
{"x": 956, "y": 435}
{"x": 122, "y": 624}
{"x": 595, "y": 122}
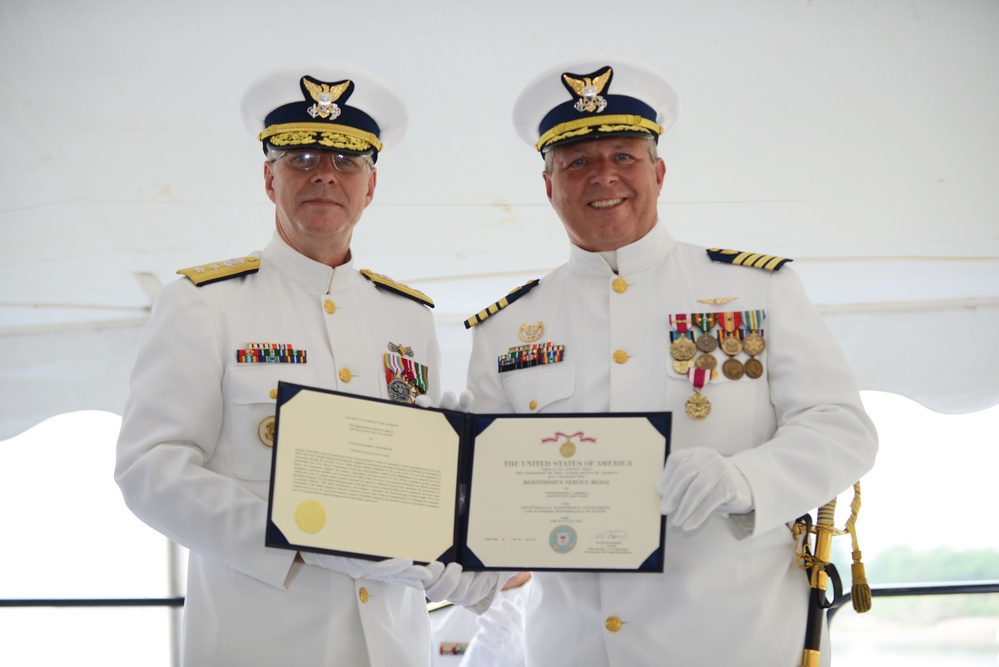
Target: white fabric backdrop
{"x": 856, "y": 137}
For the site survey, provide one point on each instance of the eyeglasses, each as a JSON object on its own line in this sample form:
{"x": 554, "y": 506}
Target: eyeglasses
{"x": 345, "y": 163}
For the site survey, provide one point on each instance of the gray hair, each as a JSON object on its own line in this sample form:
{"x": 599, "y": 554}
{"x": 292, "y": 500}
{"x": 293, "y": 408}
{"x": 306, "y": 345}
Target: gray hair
{"x": 549, "y": 153}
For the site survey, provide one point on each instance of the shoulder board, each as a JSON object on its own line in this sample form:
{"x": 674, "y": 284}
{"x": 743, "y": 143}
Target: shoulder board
{"x": 392, "y": 286}
{"x": 501, "y": 304}
{"x": 754, "y": 259}
{"x": 216, "y": 271}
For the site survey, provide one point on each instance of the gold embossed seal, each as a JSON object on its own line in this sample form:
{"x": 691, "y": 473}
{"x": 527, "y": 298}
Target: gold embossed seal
{"x": 310, "y": 516}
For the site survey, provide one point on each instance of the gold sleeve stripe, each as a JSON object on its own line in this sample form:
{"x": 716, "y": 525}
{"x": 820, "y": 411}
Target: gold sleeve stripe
{"x": 753, "y": 259}
{"x": 480, "y": 316}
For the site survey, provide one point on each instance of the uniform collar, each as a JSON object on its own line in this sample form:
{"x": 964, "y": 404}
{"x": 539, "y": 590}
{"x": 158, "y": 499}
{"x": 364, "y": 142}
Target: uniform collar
{"x": 632, "y": 258}
{"x": 307, "y": 272}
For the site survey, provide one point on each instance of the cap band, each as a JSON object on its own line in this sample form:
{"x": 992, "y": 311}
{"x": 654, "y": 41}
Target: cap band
{"x": 611, "y": 123}
{"x": 324, "y": 134}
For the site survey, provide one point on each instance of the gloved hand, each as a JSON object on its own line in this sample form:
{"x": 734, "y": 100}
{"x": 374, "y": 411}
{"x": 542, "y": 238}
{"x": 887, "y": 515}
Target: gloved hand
{"x": 395, "y": 570}
{"x": 499, "y": 642}
{"x": 699, "y": 482}
{"x": 469, "y": 589}
{"x": 449, "y": 401}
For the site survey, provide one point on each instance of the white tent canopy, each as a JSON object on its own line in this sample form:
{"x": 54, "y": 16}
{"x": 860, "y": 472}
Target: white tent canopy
{"x": 857, "y": 137}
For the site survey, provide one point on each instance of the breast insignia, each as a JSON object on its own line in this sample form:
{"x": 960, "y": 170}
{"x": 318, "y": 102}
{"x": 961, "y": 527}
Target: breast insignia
{"x": 754, "y": 259}
{"x": 387, "y": 283}
{"x": 217, "y": 271}
{"x": 480, "y": 316}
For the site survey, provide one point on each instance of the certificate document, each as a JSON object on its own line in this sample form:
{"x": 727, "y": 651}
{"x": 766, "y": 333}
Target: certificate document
{"x": 569, "y": 492}
{"x": 369, "y": 478}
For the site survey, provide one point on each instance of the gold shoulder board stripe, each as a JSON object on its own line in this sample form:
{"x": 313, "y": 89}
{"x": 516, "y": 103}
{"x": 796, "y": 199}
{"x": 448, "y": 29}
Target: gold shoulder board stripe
{"x": 480, "y": 316}
{"x": 391, "y": 285}
{"x": 754, "y": 259}
{"x": 216, "y": 271}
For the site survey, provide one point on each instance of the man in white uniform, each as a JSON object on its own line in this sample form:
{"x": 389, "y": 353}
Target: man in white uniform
{"x": 194, "y": 453}
{"x": 767, "y": 418}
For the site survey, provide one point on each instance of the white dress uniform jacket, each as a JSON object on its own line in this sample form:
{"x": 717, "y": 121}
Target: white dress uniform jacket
{"x": 731, "y": 592}
{"x": 192, "y": 465}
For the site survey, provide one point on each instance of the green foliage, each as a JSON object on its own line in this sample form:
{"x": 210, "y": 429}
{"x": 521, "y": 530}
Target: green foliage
{"x": 903, "y": 565}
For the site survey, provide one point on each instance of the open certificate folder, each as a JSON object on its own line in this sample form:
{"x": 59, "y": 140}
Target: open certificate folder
{"x": 369, "y": 478}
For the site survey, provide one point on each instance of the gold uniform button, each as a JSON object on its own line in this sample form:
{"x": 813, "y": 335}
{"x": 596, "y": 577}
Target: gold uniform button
{"x": 329, "y": 306}
{"x": 621, "y": 357}
{"x": 613, "y": 623}
{"x": 345, "y": 375}
{"x": 362, "y": 593}
{"x": 533, "y": 405}
{"x": 620, "y": 285}
{"x": 273, "y": 393}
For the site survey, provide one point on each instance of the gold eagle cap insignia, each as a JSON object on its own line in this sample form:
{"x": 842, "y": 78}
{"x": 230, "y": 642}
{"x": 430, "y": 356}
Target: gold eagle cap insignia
{"x": 317, "y": 89}
{"x": 596, "y": 83}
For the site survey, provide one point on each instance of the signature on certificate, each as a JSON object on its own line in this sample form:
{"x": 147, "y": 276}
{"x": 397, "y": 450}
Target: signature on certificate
{"x": 612, "y": 534}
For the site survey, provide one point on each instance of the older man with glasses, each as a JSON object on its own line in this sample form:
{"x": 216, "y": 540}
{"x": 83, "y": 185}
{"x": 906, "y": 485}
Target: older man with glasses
{"x": 194, "y": 453}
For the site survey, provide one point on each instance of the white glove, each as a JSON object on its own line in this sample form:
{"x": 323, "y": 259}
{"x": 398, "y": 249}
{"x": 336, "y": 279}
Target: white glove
{"x": 699, "y": 482}
{"x": 468, "y": 589}
{"x": 499, "y": 642}
{"x": 449, "y": 401}
{"x": 395, "y": 570}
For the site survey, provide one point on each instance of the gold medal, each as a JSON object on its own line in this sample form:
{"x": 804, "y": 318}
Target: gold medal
{"x": 681, "y": 366}
{"x": 683, "y": 349}
{"x": 731, "y": 345}
{"x": 265, "y": 431}
{"x": 753, "y": 368}
{"x": 698, "y": 406}
{"x": 706, "y": 343}
{"x": 706, "y": 362}
{"x": 567, "y": 449}
{"x": 733, "y": 369}
{"x": 753, "y": 344}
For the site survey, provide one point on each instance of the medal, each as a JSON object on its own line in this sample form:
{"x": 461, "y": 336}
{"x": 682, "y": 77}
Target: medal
{"x": 733, "y": 369}
{"x": 404, "y": 378}
{"x": 753, "y": 368}
{"x": 698, "y": 406}
{"x": 682, "y": 366}
{"x": 753, "y": 340}
{"x": 753, "y": 343}
{"x": 706, "y": 362}
{"x": 682, "y": 348}
{"x": 706, "y": 322}
{"x": 730, "y": 333}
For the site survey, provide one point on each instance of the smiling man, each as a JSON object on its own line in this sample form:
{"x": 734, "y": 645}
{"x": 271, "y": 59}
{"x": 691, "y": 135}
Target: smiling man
{"x": 194, "y": 453}
{"x": 767, "y": 419}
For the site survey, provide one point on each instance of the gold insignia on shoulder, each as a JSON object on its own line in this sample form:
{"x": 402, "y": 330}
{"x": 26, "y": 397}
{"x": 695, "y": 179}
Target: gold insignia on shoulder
{"x": 216, "y": 271}
{"x": 480, "y": 316}
{"x": 718, "y": 300}
{"x": 753, "y": 259}
{"x": 392, "y": 286}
